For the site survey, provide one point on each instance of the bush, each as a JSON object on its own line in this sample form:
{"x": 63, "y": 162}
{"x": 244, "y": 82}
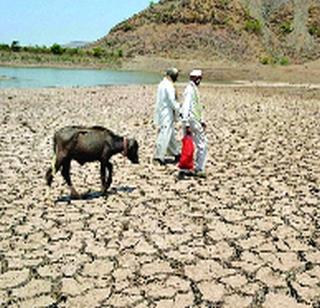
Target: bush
{"x": 266, "y": 60}
{"x": 283, "y": 61}
{"x": 127, "y": 27}
{"x": 286, "y": 27}
{"x": 56, "y": 49}
{"x": 253, "y": 25}
{"x": 72, "y": 51}
{"x": 97, "y": 52}
{"x": 314, "y": 30}
{"x": 151, "y": 4}
{"x": 15, "y": 46}
{"x": 36, "y": 49}
{"x": 120, "y": 53}
{"x": 271, "y": 60}
{"x": 4, "y": 47}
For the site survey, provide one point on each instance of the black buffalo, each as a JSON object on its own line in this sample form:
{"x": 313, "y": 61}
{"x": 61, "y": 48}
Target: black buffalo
{"x": 88, "y": 144}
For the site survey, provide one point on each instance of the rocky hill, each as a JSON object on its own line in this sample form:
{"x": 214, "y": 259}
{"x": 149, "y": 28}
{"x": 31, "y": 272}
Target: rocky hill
{"x": 233, "y": 30}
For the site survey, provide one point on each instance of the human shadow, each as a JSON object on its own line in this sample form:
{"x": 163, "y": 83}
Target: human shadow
{"x": 92, "y": 195}
{"x": 170, "y": 161}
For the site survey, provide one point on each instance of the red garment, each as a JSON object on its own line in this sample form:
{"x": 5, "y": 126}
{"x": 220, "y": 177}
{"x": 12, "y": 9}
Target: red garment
{"x": 186, "y": 158}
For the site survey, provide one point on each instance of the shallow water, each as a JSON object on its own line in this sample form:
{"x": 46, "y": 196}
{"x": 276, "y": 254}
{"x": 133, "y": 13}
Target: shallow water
{"x": 17, "y": 77}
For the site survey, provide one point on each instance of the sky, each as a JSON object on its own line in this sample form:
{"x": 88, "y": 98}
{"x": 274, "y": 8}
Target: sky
{"x": 45, "y": 22}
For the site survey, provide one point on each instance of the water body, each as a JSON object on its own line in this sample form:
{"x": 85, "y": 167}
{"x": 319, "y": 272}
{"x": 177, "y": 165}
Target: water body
{"x": 17, "y": 77}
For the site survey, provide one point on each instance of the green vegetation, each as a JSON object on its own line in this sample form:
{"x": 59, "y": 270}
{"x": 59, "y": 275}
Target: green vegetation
{"x": 119, "y": 53}
{"x": 283, "y": 61}
{"x": 273, "y": 60}
{"x": 151, "y": 4}
{"x": 286, "y": 27}
{"x": 314, "y": 30}
{"x": 15, "y": 46}
{"x": 126, "y": 26}
{"x": 56, "y": 49}
{"x": 253, "y": 26}
{"x": 57, "y": 54}
{"x": 265, "y": 60}
{"x": 4, "y": 47}
{"x": 98, "y": 52}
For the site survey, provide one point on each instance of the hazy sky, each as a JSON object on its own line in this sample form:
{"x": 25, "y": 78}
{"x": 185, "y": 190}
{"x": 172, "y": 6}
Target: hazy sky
{"x": 45, "y": 22}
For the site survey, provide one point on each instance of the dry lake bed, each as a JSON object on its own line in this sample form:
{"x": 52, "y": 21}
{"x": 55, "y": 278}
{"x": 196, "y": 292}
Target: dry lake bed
{"x": 247, "y": 236}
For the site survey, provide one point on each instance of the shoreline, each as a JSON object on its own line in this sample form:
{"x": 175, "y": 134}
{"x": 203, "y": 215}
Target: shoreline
{"x": 217, "y": 71}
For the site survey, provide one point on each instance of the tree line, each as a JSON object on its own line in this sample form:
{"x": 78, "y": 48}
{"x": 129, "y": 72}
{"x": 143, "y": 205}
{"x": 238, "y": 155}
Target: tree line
{"x": 57, "y": 49}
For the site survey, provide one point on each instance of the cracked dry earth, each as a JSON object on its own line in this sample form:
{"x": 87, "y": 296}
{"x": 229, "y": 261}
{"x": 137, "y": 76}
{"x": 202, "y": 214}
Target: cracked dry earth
{"x": 247, "y": 236}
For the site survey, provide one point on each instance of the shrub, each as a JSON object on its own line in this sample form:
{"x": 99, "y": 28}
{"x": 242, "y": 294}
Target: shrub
{"x": 97, "y": 52}
{"x": 253, "y": 25}
{"x": 4, "y": 47}
{"x": 314, "y": 30}
{"x": 286, "y": 27}
{"x": 151, "y": 4}
{"x": 72, "y": 51}
{"x": 283, "y": 61}
{"x": 127, "y": 27}
{"x": 56, "y": 49}
{"x": 266, "y": 60}
{"x": 35, "y": 49}
{"x": 15, "y": 46}
{"x": 271, "y": 60}
{"x": 120, "y": 53}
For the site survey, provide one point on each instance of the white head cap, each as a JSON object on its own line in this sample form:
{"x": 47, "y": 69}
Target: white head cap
{"x": 196, "y": 73}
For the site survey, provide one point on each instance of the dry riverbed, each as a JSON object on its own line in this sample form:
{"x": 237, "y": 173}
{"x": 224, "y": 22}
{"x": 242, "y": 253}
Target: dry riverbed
{"x": 248, "y": 235}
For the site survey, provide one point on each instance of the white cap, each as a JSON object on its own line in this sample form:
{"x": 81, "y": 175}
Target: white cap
{"x": 196, "y": 73}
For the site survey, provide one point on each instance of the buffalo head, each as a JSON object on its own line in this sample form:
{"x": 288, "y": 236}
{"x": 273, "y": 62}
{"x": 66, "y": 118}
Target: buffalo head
{"x": 132, "y": 152}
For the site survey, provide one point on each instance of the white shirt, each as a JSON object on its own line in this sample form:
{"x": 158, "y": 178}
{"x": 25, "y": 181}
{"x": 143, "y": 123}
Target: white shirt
{"x": 166, "y": 105}
{"x": 192, "y": 109}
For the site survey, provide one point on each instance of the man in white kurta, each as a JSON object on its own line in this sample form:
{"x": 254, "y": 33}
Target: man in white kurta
{"x": 166, "y": 113}
{"x": 193, "y": 120}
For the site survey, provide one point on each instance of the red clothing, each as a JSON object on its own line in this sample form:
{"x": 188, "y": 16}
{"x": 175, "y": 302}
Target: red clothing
{"x": 186, "y": 158}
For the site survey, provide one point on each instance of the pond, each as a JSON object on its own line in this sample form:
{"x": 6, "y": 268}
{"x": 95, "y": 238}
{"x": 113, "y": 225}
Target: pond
{"x": 18, "y": 77}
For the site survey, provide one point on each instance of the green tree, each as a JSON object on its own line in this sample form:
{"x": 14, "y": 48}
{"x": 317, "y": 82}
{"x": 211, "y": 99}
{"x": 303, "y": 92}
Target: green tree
{"x": 15, "y": 46}
{"x": 56, "y": 49}
{"x": 98, "y": 52}
{"x": 5, "y": 47}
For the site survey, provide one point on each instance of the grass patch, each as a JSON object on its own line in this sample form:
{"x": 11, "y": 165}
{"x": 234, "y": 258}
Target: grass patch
{"x": 272, "y": 60}
{"x": 253, "y": 26}
{"x": 314, "y": 30}
{"x": 286, "y": 27}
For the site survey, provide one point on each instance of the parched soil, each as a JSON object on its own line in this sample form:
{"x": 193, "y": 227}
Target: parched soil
{"x": 247, "y": 236}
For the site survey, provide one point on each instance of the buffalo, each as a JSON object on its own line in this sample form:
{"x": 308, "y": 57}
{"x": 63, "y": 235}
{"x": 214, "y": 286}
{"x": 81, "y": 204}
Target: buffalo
{"x": 88, "y": 144}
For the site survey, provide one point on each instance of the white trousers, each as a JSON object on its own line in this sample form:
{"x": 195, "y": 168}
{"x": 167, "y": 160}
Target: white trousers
{"x": 201, "y": 142}
{"x": 166, "y": 142}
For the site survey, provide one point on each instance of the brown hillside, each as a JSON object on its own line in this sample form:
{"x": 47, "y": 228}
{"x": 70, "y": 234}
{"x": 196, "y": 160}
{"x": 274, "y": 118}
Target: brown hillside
{"x": 234, "y": 30}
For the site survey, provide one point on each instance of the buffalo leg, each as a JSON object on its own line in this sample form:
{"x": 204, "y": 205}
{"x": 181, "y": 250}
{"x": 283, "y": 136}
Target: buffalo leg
{"x": 103, "y": 176}
{"x": 56, "y": 163}
{"x": 66, "y": 175}
{"x": 109, "y": 180}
